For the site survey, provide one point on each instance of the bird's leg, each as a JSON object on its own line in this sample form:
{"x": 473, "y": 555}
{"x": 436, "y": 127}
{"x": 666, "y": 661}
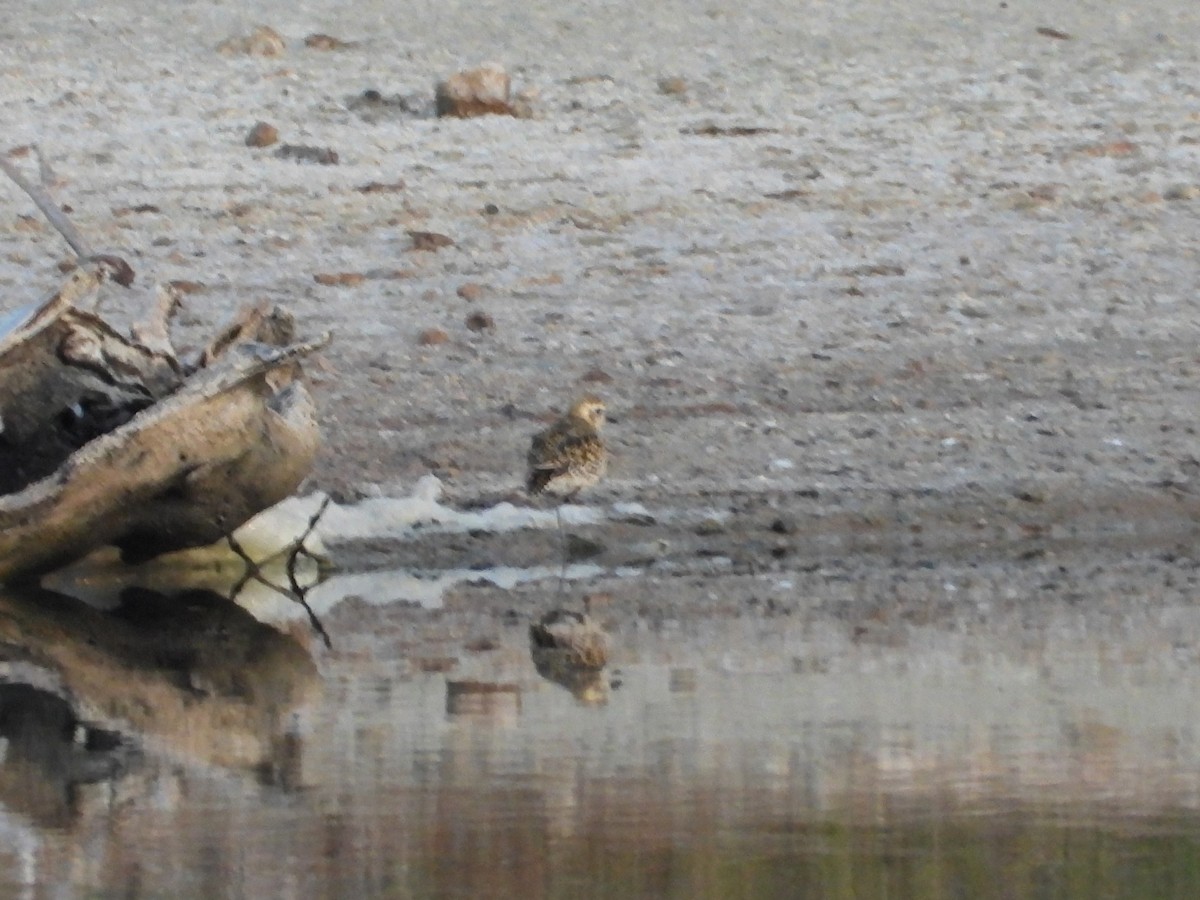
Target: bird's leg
{"x": 562, "y": 548}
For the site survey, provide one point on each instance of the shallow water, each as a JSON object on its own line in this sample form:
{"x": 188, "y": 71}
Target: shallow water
{"x": 177, "y": 746}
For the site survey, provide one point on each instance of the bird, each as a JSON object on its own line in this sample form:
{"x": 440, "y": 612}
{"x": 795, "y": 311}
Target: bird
{"x": 583, "y": 643}
{"x": 568, "y": 457}
{"x": 571, "y": 649}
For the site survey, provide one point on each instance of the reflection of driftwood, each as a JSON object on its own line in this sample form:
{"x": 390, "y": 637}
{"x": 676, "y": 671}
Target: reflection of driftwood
{"x": 49, "y": 753}
{"x": 193, "y": 672}
{"x": 109, "y": 439}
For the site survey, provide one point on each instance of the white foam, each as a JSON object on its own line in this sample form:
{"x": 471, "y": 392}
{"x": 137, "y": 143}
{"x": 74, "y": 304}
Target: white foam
{"x": 399, "y": 517}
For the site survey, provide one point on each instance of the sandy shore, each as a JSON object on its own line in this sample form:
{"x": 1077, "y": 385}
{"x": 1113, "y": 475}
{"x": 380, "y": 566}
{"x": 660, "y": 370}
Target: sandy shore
{"x": 894, "y": 307}
{"x": 901, "y": 274}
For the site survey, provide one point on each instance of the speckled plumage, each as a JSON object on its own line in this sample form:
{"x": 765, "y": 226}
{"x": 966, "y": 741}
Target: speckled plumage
{"x": 578, "y": 640}
{"x": 569, "y": 455}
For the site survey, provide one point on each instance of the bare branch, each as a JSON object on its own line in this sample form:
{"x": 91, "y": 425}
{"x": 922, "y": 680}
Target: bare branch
{"x": 117, "y": 269}
{"x": 298, "y": 593}
{"x": 155, "y": 333}
{"x": 51, "y": 210}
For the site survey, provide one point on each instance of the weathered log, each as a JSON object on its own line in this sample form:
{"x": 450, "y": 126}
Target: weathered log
{"x": 112, "y": 439}
{"x": 66, "y": 377}
{"x": 237, "y": 438}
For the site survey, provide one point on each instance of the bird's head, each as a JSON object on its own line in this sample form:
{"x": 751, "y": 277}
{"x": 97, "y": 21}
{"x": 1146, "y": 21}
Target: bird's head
{"x": 590, "y": 409}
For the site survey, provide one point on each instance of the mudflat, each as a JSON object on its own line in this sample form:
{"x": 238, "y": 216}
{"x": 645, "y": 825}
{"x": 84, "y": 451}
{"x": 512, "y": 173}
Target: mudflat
{"x": 876, "y": 283}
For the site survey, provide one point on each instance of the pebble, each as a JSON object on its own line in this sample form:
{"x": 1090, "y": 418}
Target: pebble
{"x": 263, "y": 41}
{"x": 339, "y": 279}
{"x": 430, "y": 240}
{"x": 475, "y": 92}
{"x": 325, "y": 42}
{"x": 263, "y": 134}
{"x": 302, "y": 153}
{"x": 471, "y": 291}
{"x": 431, "y": 337}
{"x": 784, "y": 525}
{"x": 480, "y": 321}
{"x": 673, "y": 86}
{"x": 596, "y": 376}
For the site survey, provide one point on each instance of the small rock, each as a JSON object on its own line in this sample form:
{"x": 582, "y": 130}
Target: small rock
{"x": 183, "y": 286}
{"x": 431, "y": 337}
{"x": 480, "y": 321}
{"x": 263, "y": 41}
{"x": 29, "y": 223}
{"x": 1116, "y": 148}
{"x": 673, "y": 86}
{"x": 1030, "y": 494}
{"x": 325, "y": 42}
{"x": 1046, "y": 31}
{"x": 430, "y": 240}
{"x": 475, "y": 92}
{"x": 784, "y": 525}
{"x": 339, "y": 279}
{"x": 471, "y": 291}
{"x": 596, "y": 376}
{"x": 263, "y": 134}
{"x": 392, "y": 274}
{"x": 379, "y": 187}
{"x": 122, "y": 211}
{"x": 482, "y": 645}
{"x": 301, "y": 153}
{"x": 1181, "y": 192}
{"x": 973, "y": 309}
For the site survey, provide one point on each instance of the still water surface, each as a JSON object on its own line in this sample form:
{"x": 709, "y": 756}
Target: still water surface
{"x": 179, "y": 747}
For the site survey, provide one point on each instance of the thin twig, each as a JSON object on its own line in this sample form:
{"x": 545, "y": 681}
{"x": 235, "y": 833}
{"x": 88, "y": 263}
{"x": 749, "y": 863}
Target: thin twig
{"x": 300, "y": 548}
{"x": 51, "y": 210}
{"x": 315, "y": 622}
{"x": 115, "y": 267}
{"x": 155, "y": 333}
{"x": 298, "y": 593}
{"x": 302, "y": 592}
{"x": 253, "y": 570}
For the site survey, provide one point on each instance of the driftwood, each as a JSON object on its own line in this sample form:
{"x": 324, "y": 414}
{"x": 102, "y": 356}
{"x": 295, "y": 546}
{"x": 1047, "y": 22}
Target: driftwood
{"x": 114, "y": 439}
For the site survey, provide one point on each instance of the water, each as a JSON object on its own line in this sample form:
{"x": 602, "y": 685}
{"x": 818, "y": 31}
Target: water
{"x": 177, "y": 746}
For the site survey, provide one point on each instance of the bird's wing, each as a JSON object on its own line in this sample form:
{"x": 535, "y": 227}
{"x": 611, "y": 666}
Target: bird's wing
{"x": 565, "y": 448}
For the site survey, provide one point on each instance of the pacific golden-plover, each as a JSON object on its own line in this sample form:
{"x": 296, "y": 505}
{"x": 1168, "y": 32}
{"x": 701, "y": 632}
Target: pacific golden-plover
{"x": 569, "y": 455}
